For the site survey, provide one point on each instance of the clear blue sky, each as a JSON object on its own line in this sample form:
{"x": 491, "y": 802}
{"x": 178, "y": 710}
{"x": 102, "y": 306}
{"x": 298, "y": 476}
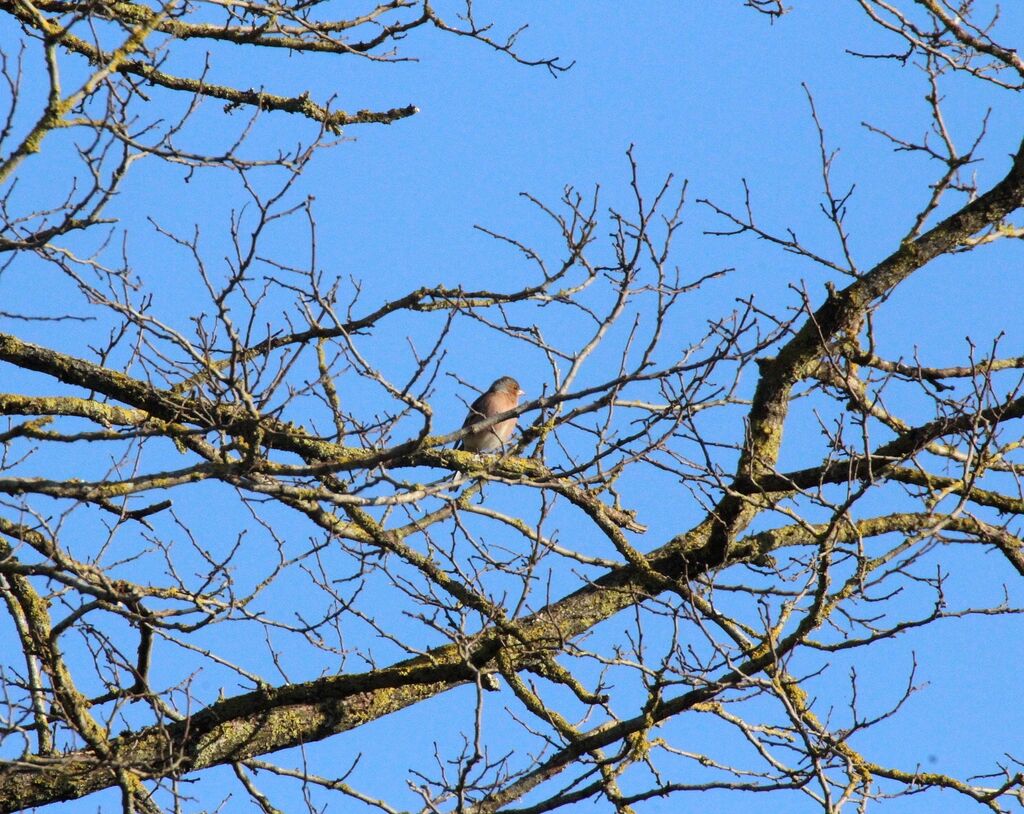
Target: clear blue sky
{"x": 714, "y": 94}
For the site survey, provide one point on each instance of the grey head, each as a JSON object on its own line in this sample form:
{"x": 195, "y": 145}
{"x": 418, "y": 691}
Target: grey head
{"x": 508, "y": 385}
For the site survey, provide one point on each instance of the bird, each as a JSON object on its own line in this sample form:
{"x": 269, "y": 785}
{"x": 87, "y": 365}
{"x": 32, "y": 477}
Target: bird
{"x": 503, "y": 395}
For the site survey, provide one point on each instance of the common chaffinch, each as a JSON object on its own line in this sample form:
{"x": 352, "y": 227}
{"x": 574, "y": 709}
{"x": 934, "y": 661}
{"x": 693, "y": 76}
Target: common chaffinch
{"x": 500, "y": 397}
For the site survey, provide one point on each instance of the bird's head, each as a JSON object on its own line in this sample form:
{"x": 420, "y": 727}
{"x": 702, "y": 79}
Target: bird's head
{"x": 506, "y": 384}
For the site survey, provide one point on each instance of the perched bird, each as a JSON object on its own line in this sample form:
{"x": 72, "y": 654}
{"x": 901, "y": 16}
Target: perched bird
{"x": 501, "y": 397}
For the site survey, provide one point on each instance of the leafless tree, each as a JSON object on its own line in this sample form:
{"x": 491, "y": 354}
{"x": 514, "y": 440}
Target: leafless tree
{"x": 167, "y": 496}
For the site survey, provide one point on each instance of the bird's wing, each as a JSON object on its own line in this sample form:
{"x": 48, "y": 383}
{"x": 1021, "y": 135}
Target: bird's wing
{"x": 479, "y": 410}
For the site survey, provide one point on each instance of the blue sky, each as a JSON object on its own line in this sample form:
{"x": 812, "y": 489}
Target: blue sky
{"x": 712, "y": 93}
